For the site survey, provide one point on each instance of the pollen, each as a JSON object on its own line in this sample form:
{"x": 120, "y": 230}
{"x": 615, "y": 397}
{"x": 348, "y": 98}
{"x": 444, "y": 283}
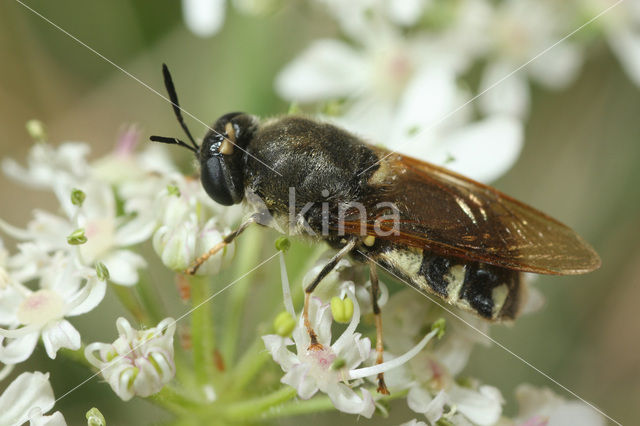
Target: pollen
{"x": 369, "y": 240}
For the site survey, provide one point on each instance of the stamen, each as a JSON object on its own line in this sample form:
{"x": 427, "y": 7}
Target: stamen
{"x": 359, "y": 373}
{"x": 286, "y": 289}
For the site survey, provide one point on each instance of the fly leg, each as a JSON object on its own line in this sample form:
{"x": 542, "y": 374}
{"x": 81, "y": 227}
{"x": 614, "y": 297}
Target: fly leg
{"x": 222, "y": 244}
{"x": 315, "y": 345}
{"x": 375, "y": 293}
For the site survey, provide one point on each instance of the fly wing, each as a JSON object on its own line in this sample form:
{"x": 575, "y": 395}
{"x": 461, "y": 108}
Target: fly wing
{"x": 452, "y": 215}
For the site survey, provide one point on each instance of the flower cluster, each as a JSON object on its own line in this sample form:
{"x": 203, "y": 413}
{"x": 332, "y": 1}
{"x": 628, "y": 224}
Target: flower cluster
{"x": 139, "y": 362}
{"x": 334, "y": 368}
{"x": 397, "y": 76}
{"x": 65, "y": 260}
{"x": 422, "y": 361}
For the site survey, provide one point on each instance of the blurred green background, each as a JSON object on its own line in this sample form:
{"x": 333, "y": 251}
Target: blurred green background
{"x": 579, "y": 164}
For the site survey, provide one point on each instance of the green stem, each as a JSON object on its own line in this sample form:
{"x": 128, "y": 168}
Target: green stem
{"x": 132, "y": 304}
{"x": 77, "y": 356}
{"x": 174, "y": 401}
{"x": 255, "y": 357}
{"x": 184, "y": 369}
{"x": 149, "y": 299}
{"x": 256, "y": 407}
{"x": 250, "y": 247}
{"x": 249, "y": 365}
{"x": 202, "y": 329}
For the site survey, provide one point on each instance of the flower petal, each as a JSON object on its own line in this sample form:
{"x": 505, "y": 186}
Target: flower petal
{"x": 135, "y": 231}
{"x": 428, "y": 102}
{"x": 27, "y": 391}
{"x": 559, "y": 66}
{"x": 577, "y": 413}
{"x": 501, "y": 92}
{"x": 406, "y": 12}
{"x": 347, "y": 400}
{"x": 484, "y": 150}
{"x": 626, "y": 44}
{"x": 277, "y": 347}
{"x": 481, "y": 407}
{"x": 204, "y": 17}
{"x": 327, "y": 69}
{"x": 97, "y": 290}
{"x": 10, "y": 299}
{"x": 123, "y": 266}
{"x": 18, "y": 349}
{"x": 299, "y": 379}
{"x": 418, "y": 399}
{"x": 421, "y": 401}
{"x": 56, "y": 419}
{"x": 60, "y": 334}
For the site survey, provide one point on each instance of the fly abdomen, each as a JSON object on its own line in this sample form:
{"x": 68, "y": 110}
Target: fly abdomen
{"x": 492, "y": 292}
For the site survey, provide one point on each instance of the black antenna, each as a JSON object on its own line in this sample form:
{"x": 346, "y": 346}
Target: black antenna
{"x": 173, "y": 97}
{"x": 173, "y": 141}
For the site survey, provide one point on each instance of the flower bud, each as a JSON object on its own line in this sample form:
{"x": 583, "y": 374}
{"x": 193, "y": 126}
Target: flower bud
{"x": 138, "y": 362}
{"x": 175, "y": 246}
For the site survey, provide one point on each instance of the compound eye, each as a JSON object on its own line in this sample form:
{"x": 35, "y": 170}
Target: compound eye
{"x": 217, "y": 182}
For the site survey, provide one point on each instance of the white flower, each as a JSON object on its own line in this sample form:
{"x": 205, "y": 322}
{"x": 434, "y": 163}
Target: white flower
{"x": 51, "y": 167}
{"x": 126, "y": 166}
{"x": 421, "y": 401}
{"x": 190, "y": 225}
{"x": 430, "y": 374}
{"x": 138, "y": 362}
{"x": 326, "y": 369}
{"x": 204, "y": 17}
{"x": 520, "y": 31}
{"x": 26, "y": 399}
{"x": 404, "y": 94}
{"x": 107, "y": 233}
{"x": 65, "y": 290}
{"x": 482, "y": 406}
{"x": 334, "y": 368}
{"x": 541, "y": 407}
